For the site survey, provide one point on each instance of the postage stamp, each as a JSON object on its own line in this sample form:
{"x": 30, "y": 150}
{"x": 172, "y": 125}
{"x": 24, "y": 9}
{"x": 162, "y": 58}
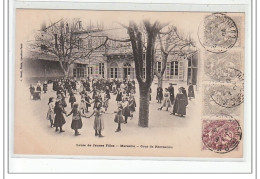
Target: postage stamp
{"x": 223, "y": 67}
{"x": 218, "y": 33}
{"x": 222, "y": 99}
{"x": 221, "y": 136}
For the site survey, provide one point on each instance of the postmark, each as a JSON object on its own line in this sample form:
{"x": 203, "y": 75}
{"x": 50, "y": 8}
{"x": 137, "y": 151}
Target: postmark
{"x": 224, "y": 67}
{"x": 227, "y": 96}
{"x": 213, "y": 102}
{"x": 217, "y": 33}
{"x": 221, "y": 136}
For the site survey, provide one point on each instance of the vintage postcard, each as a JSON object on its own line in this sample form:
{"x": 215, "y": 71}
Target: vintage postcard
{"x": 129, "y": 83}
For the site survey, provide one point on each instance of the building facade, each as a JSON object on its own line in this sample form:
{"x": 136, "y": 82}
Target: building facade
{"x": 114, "y": 60}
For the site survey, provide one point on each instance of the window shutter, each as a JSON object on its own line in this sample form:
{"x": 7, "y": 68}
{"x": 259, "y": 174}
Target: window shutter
{"x": 181, "y": 71}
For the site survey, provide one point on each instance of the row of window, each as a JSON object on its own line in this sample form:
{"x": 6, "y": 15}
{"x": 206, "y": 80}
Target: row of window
{"x": 173, "y": 70}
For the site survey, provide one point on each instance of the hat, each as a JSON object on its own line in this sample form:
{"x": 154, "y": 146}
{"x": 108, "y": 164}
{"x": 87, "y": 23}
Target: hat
{"x": 50, "y": 99}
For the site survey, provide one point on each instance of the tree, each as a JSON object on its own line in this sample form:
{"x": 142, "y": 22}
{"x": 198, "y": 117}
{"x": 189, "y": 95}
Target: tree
{"x": 151, "y": 30}
{"x": 66, "y": 40}
{"x": 170, "y": 42}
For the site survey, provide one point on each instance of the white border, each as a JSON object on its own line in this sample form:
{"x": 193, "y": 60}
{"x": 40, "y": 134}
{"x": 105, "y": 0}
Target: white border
{"x": 47, "y": 165}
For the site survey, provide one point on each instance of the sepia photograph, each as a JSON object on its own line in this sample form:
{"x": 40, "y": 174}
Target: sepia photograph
{"x": 129, "y": 83}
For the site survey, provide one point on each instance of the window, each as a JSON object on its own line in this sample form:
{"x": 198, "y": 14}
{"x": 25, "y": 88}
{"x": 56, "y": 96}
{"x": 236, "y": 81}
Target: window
{"x": 115, "y": 72}
{"x": 89, "y": 70}
{"x": 74, "y": 72}
{"x": 101, "y": 69}
{"x": 112, "y": 73}
{"x": 159, "y": 67}
{"x": 176, "y": 69}
{"x": 189, "y": 62}
{"x": 172, "y": 68}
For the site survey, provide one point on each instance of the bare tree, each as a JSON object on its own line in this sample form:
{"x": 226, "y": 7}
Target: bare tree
{"x": 68, "y": 41}
{"x": 135, "y": 32}
{"x": 170, "y": 42}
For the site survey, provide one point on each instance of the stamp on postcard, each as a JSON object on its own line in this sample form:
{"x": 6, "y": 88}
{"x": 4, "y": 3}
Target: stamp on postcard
{"x": 221, "y": 136}
{"x": 218, "y": 33}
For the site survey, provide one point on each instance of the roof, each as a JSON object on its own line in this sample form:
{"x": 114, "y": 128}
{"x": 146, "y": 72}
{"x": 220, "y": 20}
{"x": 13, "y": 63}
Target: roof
{"x": 35, "y": 55}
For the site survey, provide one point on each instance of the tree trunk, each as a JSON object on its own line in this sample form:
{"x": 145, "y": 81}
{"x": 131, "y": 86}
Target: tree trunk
{"x": 144, "y": 106}
{"x": 66, "y": 74}
{"x": 160, "y": 81}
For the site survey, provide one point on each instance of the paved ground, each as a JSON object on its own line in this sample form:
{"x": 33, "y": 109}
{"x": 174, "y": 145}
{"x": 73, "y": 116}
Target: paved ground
{"x": 33, "y": 133}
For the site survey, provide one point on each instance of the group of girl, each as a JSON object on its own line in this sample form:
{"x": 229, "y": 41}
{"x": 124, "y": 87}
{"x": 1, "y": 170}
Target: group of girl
{"x": 125, "y": 109}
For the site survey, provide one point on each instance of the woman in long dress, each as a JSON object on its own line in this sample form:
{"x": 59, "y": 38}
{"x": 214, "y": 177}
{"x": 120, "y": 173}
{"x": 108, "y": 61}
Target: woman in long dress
{"x": 180, "y": 104}
{"x": 166, "y": 100}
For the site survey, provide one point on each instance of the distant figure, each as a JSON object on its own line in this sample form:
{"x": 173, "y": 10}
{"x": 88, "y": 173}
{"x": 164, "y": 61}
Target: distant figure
{"x": 159, "y": 95}
{"x": 87, "y": 101}
{"x": 119, "y": 117}
{"x": 50, "y": 113}
{"x": 59, "y": 119}
{"x": 76, "y": 123}
{"x": 126, "y": 110}
{"x": 191, "y": 91}
{"x": 180, "y": 104}
{"x": 132, "y": 104}
{"x": 45, "y": 86}
{"x": 166, "y": 100}
{"x": 72, "y": 99}
{"x": 119, "y": 95}
{"x": 171, "y": 91}
{"x": 38, "y": 86}
{"x": 98, "y": 122}
{"x": 32, "y": 90}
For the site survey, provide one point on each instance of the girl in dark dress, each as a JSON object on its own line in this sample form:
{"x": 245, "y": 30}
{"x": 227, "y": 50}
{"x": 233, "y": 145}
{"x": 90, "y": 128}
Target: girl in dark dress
{"x": 45, "y": 86}
{"x": 107, "y": 92}
{"x": 119, "y": 95}
{"x": 63, "y": 101}
{"x": 59, "y": 119}
{"x": 119, "y": 117}
{"x": 179, "y": 104}
{"x": 76, "y": 119}
{"x": 126, "y": 110}
{"x": 72, "y": 99}
{"x": 159, "y": 94}
{"x": 191, "y": 91}
{"x": 38, "y": 86}
{"x": 132, "y": 103}
{"x": 32, "y": 90}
